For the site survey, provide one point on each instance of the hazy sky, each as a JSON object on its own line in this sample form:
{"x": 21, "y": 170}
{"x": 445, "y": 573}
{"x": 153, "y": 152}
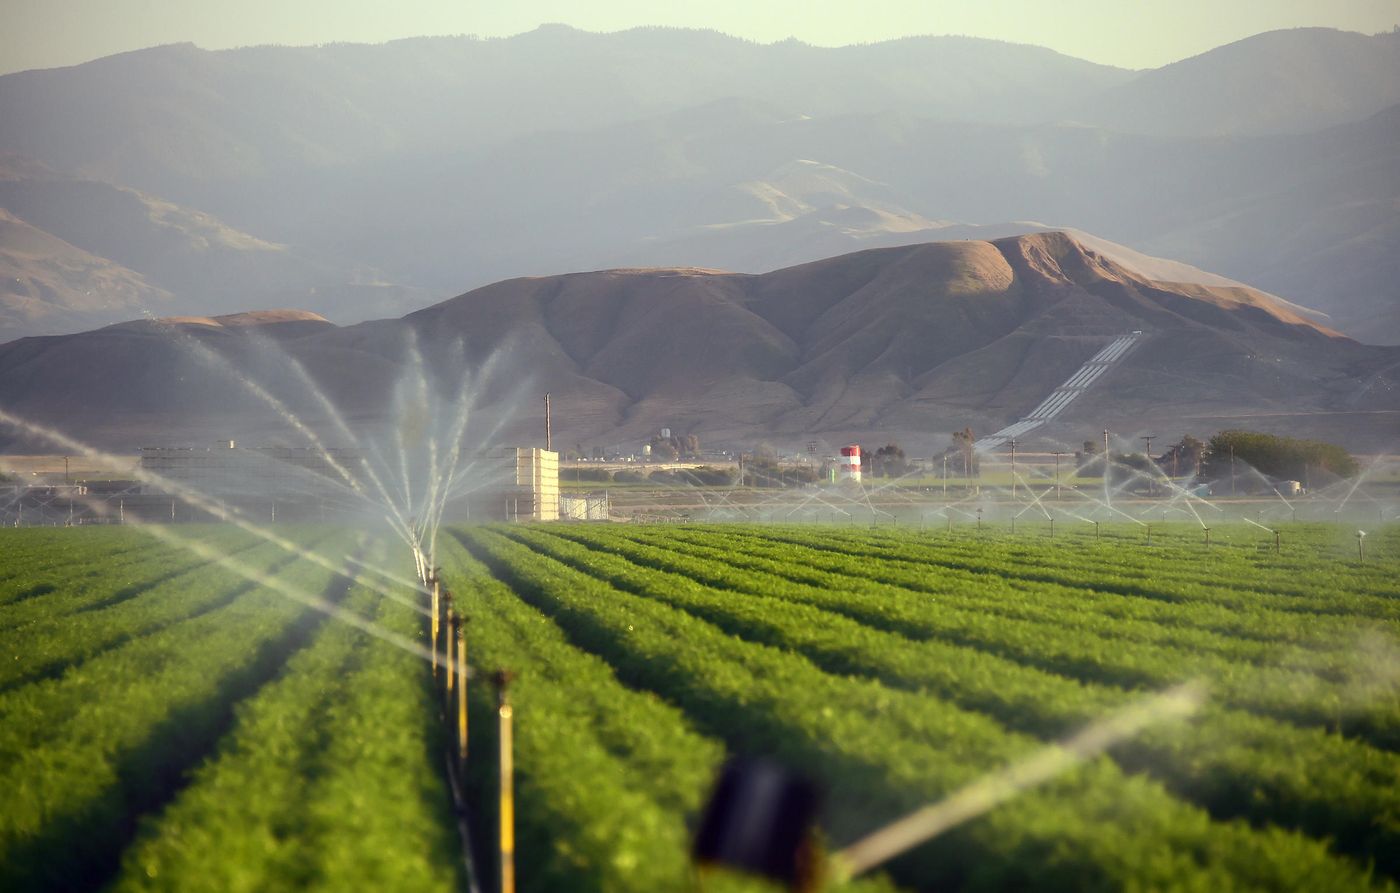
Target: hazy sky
{"x": 1130, "y": 33}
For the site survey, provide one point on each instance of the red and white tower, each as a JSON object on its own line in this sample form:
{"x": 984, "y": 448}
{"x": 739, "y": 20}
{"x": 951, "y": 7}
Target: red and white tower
{"x": 849, "y": 469}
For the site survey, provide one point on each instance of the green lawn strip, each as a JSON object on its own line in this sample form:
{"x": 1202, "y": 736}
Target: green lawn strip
{"x": 1232, "y": 763}
{"x": 94, "y": 583}
{"x": 1307, "y": 600}
{"x": 1252, "y": 620}
{"x": 1243, "y": 636}
{"x": 1090, "y": 652}
{"x": 884, "y": 751}
{"x": 48, "y": 647}
{"x": 85, "y": 754}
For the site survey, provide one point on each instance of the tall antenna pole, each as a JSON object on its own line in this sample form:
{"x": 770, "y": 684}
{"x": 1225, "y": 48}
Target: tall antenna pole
{"x": 1106, "y": 499}
{"x": 1232, "y": 468}
{"x": 1150, "y": 464}
{"x": 1013, "y": 468}
{"x": 548, "y": 426}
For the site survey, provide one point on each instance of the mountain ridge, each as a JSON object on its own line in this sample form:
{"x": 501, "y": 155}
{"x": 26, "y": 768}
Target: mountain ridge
{"x": 396, "y": 173}
{"x": 908, "y": 342}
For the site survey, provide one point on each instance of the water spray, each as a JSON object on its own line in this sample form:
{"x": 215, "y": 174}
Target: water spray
{"x": 194, "y": 498}
{"x": 991, "y": 791}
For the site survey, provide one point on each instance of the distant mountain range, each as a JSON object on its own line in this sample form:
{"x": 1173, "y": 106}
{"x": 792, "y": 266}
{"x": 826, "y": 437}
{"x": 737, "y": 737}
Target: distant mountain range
{"x": 363, "y": 181}
{"x": 906, "y": 342}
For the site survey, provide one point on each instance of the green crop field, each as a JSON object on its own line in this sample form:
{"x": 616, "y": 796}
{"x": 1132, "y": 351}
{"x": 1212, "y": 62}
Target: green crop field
{"x": 168, "y": 722}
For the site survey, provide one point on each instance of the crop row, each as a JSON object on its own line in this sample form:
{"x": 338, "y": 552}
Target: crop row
{"x": 1259, "y": 636}
{"x": 1297, "y": 570}
{"x": 79, "y": 573}
{"x": 1009, "y": 558}
{"x": 924, "y": 609}
{"x": 37, "y": 550}
{"x": 82, "y": 753}
{"x": 55, "y": 644}
{"x": 886, "y": 749}
{"x": 1178, "y": 571}
{"x": 328, "y": 779}
{"x": 607, "y": 777}
{"x": 1231, "y": 762}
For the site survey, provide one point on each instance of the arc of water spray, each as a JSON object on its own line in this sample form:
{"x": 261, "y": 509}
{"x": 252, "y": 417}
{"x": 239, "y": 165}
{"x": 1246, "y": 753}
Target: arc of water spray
{"x": 276, "y": 584}
{"x": 294, "y": 593}
{"x": 190, "y": 496}
{"x": 1035, "y": 500}
{"x": 1360, "y": 478}
{"x": 993, "y": 790}
{"x": 220, "y": 362}
{"x": 442, "y": 490}
{"x": 337, "y": 419}
{"x": 1249, "y": 520}
{"x": 214, "y": 358}
{"x": 456, "y": 484}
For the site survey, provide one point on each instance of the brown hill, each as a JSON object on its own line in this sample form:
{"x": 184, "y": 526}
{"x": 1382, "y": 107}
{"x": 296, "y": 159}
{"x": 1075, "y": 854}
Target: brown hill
{"x": 905, "y": 342}
{"x": 48, "y": 283}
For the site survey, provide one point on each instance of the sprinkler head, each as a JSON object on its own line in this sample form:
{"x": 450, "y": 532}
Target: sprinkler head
{"x": 759, "y": 819}
{"x": 502, "y": 679}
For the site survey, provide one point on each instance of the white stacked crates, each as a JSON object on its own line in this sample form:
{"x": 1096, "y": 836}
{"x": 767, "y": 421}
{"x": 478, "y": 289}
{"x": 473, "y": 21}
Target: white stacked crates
{"x": 529, "y": 479}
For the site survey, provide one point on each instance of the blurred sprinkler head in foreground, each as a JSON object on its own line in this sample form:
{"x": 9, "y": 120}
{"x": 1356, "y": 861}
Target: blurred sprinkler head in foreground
{"x": 761, "y": 819}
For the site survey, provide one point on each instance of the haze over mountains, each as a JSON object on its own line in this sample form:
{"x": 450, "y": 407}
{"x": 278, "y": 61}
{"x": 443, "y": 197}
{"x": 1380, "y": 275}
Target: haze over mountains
{"x": 909, "y": 342}
{"x": 362, "y": 181}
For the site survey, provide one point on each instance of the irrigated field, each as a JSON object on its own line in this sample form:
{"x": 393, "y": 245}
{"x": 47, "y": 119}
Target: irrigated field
{"x": 165, "y": 723}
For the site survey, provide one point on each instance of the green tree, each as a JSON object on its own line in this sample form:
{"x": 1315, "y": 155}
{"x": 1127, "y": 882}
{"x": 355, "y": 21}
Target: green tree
{"x": 888, "y": 462}
{"x": 1277, "y": 457}
{"x": 962, "y": 443}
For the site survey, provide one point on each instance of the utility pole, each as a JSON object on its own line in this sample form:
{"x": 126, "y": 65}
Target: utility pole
{"x": 1105, "y": 466}
{"x": 1058, "y": 454}
{"x": 1013, "y": 468}
{"x": 548, "y": 425}
{"x": 945, "y": 476}
{"x": 66, "y": 479}
{"x": 1232, "y": 469}
{"x": 1148, "y": 450}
